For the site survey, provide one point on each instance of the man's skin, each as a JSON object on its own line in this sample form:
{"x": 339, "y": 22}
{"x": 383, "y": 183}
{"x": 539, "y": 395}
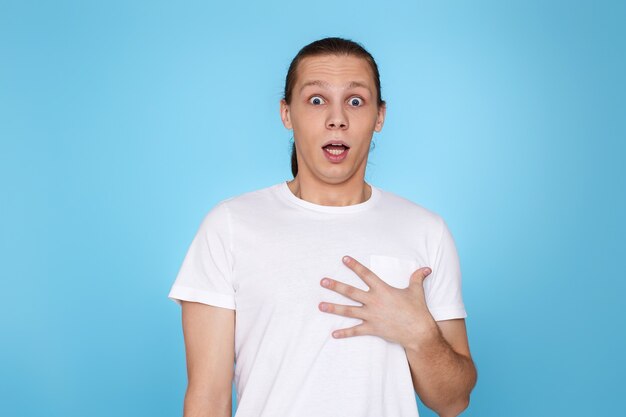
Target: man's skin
{"x": 335, "y": 98}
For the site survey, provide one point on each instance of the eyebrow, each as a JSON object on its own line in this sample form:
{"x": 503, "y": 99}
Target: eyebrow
{"x": 324, "y": 84}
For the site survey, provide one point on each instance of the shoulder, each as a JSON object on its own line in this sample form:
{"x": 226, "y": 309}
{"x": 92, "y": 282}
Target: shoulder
{"x": 250, "y": 199}
{"x": 404, "y": 208}
{"x": 247, "y": 202}
{"x": 222, "y": 215}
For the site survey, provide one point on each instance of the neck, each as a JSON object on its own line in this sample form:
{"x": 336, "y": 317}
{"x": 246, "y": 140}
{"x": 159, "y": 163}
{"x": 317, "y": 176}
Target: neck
{"x": 343, "y": 194}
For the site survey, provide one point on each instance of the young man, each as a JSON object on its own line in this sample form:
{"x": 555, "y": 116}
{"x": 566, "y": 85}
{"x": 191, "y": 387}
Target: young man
{"x": 332, "y": 296}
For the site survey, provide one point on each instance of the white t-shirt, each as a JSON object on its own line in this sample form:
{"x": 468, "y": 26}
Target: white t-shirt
{"x": 264, "y": 253}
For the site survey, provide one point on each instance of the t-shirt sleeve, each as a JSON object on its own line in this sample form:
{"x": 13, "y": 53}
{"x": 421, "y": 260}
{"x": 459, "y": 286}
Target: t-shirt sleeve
{"x": 205, "y": 275}
{"x": 442, "y": 287}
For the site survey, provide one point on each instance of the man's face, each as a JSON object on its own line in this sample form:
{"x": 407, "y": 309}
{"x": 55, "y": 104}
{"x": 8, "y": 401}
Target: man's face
{"x": 334, "y": 100}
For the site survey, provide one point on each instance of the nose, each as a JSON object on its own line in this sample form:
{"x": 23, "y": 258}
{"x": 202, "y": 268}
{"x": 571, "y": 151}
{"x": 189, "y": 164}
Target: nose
{"x": 336, "y": 118}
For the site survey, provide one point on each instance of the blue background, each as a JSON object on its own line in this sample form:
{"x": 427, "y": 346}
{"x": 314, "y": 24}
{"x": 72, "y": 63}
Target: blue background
{"x": 123, "y": 122}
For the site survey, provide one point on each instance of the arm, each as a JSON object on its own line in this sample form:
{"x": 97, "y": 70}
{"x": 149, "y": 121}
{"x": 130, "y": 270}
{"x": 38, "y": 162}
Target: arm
{"x": 442, "y": 369}
{"x": 209, "y": 334}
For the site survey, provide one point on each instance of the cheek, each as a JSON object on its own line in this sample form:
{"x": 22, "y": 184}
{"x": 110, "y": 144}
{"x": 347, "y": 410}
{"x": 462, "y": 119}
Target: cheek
{"x": 365, "y": 120}
{"x": 306, "y": 126}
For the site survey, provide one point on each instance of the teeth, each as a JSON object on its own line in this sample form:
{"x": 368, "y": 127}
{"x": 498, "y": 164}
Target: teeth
{"x": 335, "y": 151}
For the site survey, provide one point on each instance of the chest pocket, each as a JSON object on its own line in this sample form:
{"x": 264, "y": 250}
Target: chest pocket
{"x": 393, "y": 270}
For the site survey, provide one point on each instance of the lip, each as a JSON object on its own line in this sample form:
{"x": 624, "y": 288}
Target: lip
{"x": 336, "y": 158}
{"x": 336, "y": 141}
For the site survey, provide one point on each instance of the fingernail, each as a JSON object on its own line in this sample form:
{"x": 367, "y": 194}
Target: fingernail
{"x": 346, "y": 259}
{"x": 325, "y": 282}
{"x": 323, "y": 307}
{"x": 427, "y": 271}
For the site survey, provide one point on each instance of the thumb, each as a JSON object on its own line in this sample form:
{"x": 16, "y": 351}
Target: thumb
{"x": 420, "y": 275}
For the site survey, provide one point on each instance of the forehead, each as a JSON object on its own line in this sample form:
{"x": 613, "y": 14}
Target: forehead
{"x": 338, "y": 69}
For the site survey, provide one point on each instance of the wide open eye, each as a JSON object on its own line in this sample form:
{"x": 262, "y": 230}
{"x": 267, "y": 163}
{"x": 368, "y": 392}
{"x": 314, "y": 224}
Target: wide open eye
{"x": 316, "y": 100}
{"x": 355, "y": 101}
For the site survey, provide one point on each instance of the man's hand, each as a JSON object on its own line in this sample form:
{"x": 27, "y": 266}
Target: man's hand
{"x": 397, "y": 315}
{"x": 442, "y": 377}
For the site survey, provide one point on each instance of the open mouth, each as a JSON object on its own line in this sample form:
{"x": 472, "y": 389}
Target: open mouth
{"x": 336, "y": 152}
{"x": 335, "y": 149}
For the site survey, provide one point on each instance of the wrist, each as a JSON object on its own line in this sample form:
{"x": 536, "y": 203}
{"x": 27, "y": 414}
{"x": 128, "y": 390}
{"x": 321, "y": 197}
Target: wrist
{"x": 425, "y": 334}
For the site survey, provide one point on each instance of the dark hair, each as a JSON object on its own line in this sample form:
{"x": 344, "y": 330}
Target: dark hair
{"x": 327, "y": 46}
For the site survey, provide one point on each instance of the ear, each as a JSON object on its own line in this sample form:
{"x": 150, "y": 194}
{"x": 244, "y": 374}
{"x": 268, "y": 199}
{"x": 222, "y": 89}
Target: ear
{"x": 382, "y": 111}
{"x": 284, "y": 114}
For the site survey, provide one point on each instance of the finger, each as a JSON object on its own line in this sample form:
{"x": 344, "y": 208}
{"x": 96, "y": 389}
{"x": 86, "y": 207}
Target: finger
{"x": 371, "y": 279}
{"x": 358, "y": 330}
{"x": 418, "y": 277}
{"x": 348, "y": 290}
{"x": 342, "y": 310}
